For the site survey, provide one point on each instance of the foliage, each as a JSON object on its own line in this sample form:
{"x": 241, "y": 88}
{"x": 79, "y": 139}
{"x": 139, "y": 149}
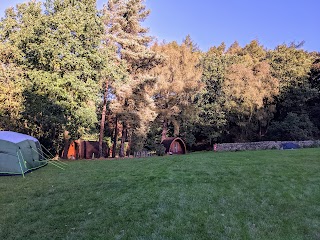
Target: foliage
{"x": 124, "y": 30}
{"x": 59, "y": 52}
{"x": 238, "y": 97}
{"x": 133, "y": 105}
{"x": 315, "y": 72}
{"x": 12, "y": 86}
{"x": 249, "y": 92}
{"x": 293, "y": 127}
{"x": 212, "y": 116}
{"x": 137, "y": 142}
{"x": 64, "y": 65}
{"x": 290, "y": 65}
{"x": 160, "y": 150}
{"x": 178, "y": 80}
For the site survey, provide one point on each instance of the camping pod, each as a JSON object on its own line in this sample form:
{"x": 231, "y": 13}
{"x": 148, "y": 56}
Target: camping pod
{"x": 174, "y": 145}
{"x": 19, "y": 153}
{"x": 80, "y": 149}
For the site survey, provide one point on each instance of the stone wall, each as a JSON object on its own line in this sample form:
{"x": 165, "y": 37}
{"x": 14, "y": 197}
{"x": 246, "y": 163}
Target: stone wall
{"x": 263, "y": 145}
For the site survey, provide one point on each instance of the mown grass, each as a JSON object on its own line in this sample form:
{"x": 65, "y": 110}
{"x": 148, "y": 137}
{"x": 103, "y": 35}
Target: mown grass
{"x": 237, "y": 195}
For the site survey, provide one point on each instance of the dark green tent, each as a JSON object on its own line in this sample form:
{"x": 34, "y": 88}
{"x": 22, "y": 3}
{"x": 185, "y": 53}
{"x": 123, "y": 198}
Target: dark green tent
{"x": 19, "y": 153}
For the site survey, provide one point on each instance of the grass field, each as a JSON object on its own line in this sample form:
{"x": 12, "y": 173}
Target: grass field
{"x": 238, "y": 195}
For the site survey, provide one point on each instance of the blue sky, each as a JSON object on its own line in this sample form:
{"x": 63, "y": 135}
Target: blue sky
{"x": 210, "y": 22}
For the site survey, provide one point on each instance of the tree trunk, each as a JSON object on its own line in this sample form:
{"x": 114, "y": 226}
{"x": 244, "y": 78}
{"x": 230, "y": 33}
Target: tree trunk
{"x": 66, "y": 145}
{"x": 123, "y": 139}
{"x": 260, "y": 130}
{"x": 103, "y": 118}
{"x": 164, "y": 129}
{"x": 115, "y": 139}
{"x": 129, "y": 143}
{"x": 263, "y": 130}
{"x": 176, "y": 128}
{"x": 129, "y": 136}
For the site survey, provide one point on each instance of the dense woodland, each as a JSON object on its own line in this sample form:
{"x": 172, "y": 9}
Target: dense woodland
{"x": 69, "y": 70}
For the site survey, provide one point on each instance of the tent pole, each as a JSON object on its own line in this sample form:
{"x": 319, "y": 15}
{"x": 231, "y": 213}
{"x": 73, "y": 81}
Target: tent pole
{"x": 20, "y": 165}
{"x": 56, "y": 165}
{"x": 48, "y": 156}
{"x": 47, "y": 150}
{"x": 57, "y": 162}
{"x": 24, "y": 162}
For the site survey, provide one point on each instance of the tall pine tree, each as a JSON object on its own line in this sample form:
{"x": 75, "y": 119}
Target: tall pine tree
{"x": 123, "y": 20}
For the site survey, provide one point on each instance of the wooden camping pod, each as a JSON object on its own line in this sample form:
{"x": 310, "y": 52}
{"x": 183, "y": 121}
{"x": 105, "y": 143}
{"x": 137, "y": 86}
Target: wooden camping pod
{"x": 86, "y": 150}
{"x": 174, "y": 145}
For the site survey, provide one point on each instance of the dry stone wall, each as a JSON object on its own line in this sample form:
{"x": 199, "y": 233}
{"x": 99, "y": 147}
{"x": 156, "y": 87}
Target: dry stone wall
{"x": 263, "y": 145}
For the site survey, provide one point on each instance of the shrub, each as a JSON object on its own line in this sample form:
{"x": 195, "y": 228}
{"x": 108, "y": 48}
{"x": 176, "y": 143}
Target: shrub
{"x": 315, "y": 144}
{"x": 160, "y": 150}
{"x": 294, "y": 127}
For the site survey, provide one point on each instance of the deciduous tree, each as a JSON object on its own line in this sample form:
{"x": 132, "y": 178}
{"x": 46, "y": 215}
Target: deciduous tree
{"x": 12, "y": 85}
{"x": 62, "y": 63}
{"x": 178, "y": 80}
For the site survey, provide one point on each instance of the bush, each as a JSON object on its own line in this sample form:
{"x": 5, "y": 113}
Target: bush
{"x": 315, "y": 144}
{"x": 294, "y": 127}
{"x": 160, "y": 150}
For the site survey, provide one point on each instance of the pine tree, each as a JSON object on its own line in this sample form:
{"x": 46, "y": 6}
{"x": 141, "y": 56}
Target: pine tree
{"x": 122, "y": 20}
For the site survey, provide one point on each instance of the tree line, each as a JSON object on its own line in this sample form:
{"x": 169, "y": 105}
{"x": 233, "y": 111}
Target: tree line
{"x": 69, "y": 70}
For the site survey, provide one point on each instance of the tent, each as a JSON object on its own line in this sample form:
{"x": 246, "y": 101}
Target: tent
{"x": 289, "y": 145}
{"x": 174, "y": 145}
{"x": 19, "y": 153}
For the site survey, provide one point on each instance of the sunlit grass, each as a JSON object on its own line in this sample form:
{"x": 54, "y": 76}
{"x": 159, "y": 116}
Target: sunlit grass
{"x": 238, "y": 195}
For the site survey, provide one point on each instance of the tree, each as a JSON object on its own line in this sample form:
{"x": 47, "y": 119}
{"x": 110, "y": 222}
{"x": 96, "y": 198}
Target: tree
{"x": 123, "y": 20}
{"x": 296, "y": 127}
{"x": 12, "y": 85}
{"x": 234, "y": 49}
{"x": 210, "y": 101}
{"x": 62, "y": 62}
{"x": 237, "y": 99}
{"x": 315, "y": 72}
{"x": 314, "y": 103}
{"x": 124, "y": 31}
{"x": 248, "y": 91}
{"x": 115, "y": 73}
{"x": 178, "y": 80}
{"x": 290, "y": 65}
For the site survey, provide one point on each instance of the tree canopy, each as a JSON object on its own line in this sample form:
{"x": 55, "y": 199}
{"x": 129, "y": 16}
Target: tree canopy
{"x": 69, "y": 70}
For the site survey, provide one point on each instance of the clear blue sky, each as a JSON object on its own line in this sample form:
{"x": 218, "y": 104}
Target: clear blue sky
{"x": 210, "y": 22}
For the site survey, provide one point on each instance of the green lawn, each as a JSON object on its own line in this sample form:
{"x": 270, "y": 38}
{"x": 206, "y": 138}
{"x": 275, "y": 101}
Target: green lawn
{"x": 238, "y": 195}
